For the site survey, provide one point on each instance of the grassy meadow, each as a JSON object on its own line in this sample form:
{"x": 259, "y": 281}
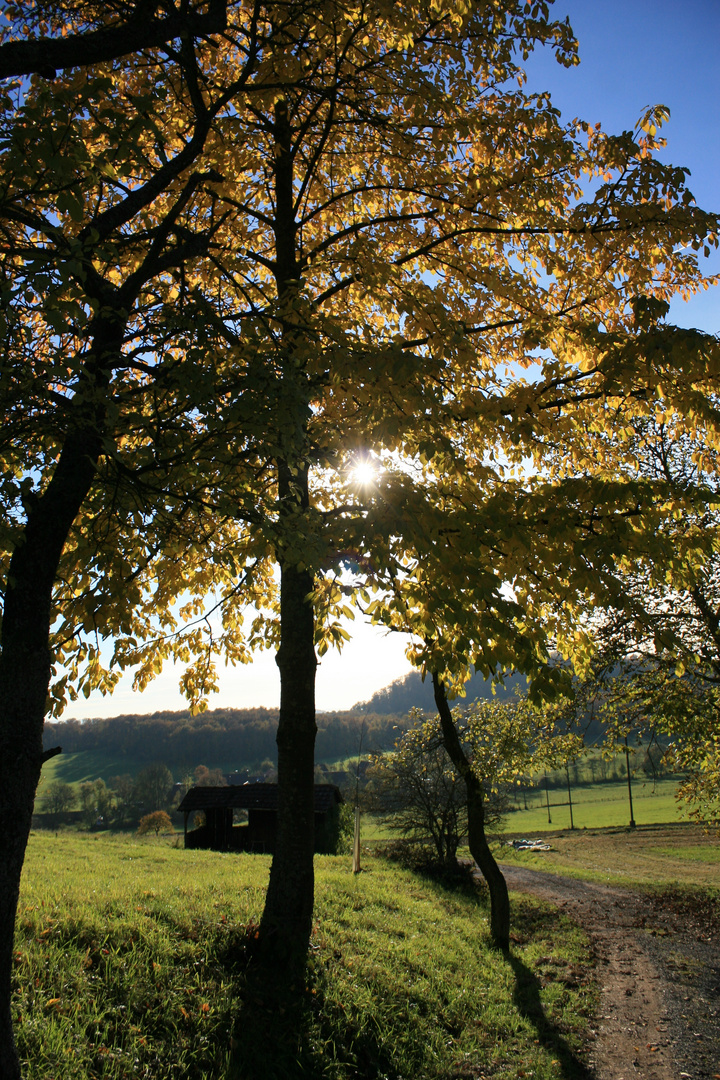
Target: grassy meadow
{"x": 86, "y": 765}
{"x": 131, "y": 961}
{"x": 600, "y": 805}
{"x": 597, "y": 806}
{"x": 657, "y": 855}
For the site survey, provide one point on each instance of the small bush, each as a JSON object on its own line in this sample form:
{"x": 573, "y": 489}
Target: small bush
{"x": 157, "y": 822}
{"x": 422, "y": 859}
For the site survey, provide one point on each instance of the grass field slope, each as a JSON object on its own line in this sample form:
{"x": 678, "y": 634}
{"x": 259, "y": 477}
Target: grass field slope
{"x": 130, "y": 961}
{"x": 684, "y": 855}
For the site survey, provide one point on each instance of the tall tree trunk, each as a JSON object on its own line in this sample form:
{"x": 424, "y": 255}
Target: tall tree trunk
{"x": 25, "y": 659}
{"x": 287, "y": 918}
{"x": 24, "y": 680}
{"x": 479, "y": 847}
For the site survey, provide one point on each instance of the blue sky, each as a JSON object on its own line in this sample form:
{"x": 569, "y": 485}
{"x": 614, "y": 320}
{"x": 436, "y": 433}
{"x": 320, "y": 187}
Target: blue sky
{"x": 634, "y": 53}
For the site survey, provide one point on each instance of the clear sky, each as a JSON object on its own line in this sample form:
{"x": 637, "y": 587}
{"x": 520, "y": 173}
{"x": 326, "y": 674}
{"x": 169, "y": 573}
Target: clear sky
{"x": 634, "y": 53}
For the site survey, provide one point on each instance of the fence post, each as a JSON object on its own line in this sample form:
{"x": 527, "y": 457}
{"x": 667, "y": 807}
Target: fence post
{"x": 567, "y": 774}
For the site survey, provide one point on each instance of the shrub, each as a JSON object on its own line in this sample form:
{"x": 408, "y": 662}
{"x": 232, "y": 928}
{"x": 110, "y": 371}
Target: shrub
{"x": 157, "y": 822}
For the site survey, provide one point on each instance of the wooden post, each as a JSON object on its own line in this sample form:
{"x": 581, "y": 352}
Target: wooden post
{"x": 627, "y": 765}
{"x": 567, "y": 774}
{"x": 356, "y": 842}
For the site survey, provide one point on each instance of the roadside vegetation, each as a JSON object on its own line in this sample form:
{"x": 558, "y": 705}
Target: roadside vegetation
{"x": 131, "y": 961}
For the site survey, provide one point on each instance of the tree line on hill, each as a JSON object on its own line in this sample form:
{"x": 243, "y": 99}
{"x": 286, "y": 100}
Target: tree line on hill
{"x": 120, "y": 802}
{"x": 245, "y": 739}
{"x": 124, "y": 800}
{"x": 411, "y": 691}
{"x": 235, "y": 736}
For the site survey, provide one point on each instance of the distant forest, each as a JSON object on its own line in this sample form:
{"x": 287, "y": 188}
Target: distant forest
{"x": 235, "y": 739}
{"x": 402, "y": 695}
{"x": 241, "y": 738}
{"x": 232, "y": 737}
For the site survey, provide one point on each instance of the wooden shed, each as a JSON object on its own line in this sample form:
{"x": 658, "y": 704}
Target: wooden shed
{"x": 218, "y": 805}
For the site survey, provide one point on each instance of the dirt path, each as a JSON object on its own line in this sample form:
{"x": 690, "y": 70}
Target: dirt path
{"x": 658, "y": 970}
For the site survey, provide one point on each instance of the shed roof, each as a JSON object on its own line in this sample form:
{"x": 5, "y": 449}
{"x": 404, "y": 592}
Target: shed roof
{"x": 252, "y": 797}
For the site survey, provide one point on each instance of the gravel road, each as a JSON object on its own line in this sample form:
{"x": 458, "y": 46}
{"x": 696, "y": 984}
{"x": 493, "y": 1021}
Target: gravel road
{"x": 658, "y": 968}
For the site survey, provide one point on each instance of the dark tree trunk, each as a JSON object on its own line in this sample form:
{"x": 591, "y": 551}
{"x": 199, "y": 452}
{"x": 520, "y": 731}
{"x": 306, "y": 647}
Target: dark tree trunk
{"x": 25, "y": 659}
{"x": 24, "y": 680}
{"x": 479, "y": 847}
{"x": 287, "y": 918}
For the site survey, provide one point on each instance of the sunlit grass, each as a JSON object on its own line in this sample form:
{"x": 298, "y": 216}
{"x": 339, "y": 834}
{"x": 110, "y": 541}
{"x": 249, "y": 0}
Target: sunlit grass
{"x": 663, "y": 854}
{"x": 600, "y": 806}
{"x": 129, "y": 953}
{"x": 116, "y": 957}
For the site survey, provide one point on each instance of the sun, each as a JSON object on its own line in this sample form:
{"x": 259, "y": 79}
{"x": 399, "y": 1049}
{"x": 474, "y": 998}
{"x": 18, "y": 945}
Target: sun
{"x": 363, "y": 472}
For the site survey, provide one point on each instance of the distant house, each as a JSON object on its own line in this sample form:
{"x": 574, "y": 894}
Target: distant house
{"x": 218, "y": 805}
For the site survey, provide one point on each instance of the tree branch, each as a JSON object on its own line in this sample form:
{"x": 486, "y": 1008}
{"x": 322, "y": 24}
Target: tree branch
{"x": 45, "y": 56}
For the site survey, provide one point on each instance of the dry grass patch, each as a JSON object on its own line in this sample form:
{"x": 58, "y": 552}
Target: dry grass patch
{"x": 648, "y": 854}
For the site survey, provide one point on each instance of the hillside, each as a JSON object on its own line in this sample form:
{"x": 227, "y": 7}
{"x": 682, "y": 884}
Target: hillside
{"x": 400, "y": 696}
{"x": 236, "y": 739}
{"x": 227, "y": 738}
{"x": 403, "y": 694}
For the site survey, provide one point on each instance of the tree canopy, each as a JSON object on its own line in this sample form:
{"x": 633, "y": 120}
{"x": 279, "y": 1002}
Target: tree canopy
{"x": 658, "y": 662}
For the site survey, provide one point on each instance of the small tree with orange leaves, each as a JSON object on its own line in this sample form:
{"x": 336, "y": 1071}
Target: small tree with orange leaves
{"x": 157, "y": 822}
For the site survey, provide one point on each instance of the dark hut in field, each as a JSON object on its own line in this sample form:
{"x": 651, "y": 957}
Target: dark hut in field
{"x": 218, "y": 806}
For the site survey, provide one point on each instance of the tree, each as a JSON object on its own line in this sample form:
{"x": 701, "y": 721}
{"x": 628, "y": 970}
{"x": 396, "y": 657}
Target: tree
{"x": 491, "y": 744}
{"x": 59, "y": 797}
{"x": 418, "y": 792}
{"x": 95, "y": 802}
{"x": 205, "y": 777}
{"x": 394, "y": 223}
{"x": 506, "y": 566}
{"x": 657, "y": 669}
{"x": 101, "y": 211}
{"x": 305, "y": 192}
{"x": 122, "y": 789}
{"x": 350, "y": 271}
{"x": 448, "y": 776}
{"x": 105, "y": 35}
{"x": 152, "y": 787}
{"x": 157, "y": 822}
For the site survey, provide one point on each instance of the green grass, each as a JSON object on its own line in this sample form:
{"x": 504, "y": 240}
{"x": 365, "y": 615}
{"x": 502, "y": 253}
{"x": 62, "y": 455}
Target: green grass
{"x": 372, "y": 829}
{"x": 664, "y": 855}
{"x": 88, "y": 765}
{"x": 95, "y": 764}
{"x": 129, "y": 963}
{"x": 600, "y": 806}
{"x": 692, "y": 853}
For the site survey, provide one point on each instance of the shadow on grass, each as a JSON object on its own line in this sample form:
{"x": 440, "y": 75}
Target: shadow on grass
{"x": 526, "y": 997}
{"x": 526, "y": 994}
{"x": 285, "y": 1029}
